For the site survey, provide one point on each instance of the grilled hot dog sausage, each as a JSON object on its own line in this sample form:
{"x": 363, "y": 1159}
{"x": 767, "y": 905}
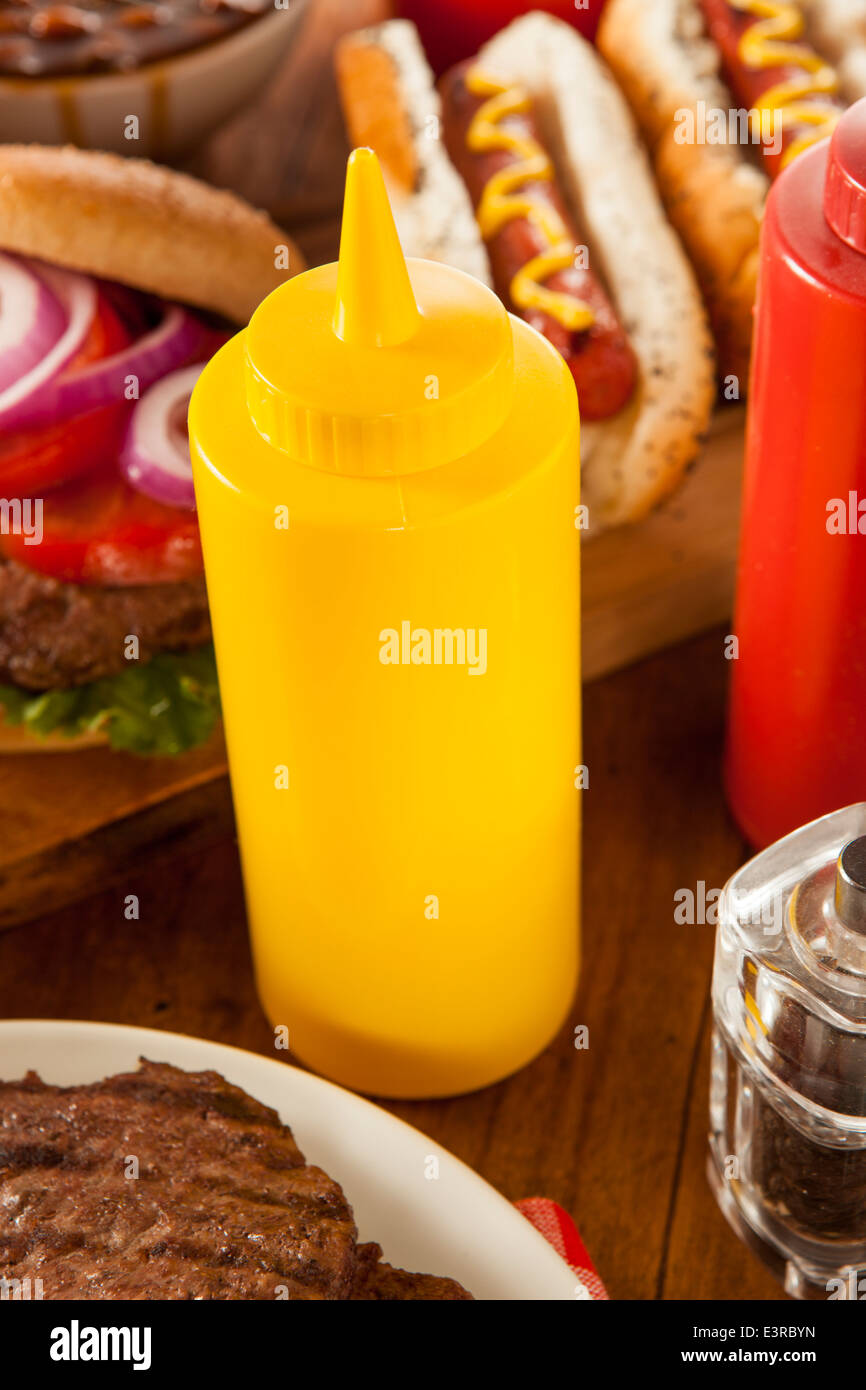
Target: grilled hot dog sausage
{"x": 532, "y": 241}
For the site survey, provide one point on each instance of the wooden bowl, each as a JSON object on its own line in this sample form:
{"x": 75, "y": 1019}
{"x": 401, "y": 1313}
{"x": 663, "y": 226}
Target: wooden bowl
{"x": 178, "y": 101}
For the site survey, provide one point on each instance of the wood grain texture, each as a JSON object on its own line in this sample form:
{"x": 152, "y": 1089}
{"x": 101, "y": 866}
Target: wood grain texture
{"x": 288, "y": 152}
{"x": 671, "y": 576}
{"x": 616, "y": 1133}
{"x": 69, "y": 821}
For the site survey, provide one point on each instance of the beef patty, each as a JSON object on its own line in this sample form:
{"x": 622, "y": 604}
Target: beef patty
{"x": 55, "y": 635}
{"x": 223, "y": 1204}
{"x": 165, "y": 1184}
{"x": 377, "y": 1281}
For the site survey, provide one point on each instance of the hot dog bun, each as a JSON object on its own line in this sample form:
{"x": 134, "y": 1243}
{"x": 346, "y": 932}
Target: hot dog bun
{"x": 714, "y": 196}
{"x": 636, "y": 457}
{"x": 390, "y": 103}
{"x": 141, "y": 224}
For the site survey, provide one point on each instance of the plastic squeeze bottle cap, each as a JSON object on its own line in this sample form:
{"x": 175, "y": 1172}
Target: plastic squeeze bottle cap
{"x": 330, "y": 353}
{"x": 845, "y": 186}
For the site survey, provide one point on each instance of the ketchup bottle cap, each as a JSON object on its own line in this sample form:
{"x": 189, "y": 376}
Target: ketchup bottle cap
{"x": 845, "y": 187}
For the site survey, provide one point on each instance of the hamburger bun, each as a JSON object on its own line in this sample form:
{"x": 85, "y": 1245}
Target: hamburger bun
{"x": 144, "y": 225}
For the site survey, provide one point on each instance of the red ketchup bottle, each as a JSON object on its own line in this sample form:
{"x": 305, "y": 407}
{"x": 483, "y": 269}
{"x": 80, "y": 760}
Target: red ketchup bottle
{"x": 797, "y": 733}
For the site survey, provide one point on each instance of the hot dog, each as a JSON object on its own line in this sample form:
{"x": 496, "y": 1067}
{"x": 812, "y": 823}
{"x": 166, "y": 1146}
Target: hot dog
{"x": 492, "y": 136}
{"x": 530, "y": 155}
{"x": 759, "y": 60}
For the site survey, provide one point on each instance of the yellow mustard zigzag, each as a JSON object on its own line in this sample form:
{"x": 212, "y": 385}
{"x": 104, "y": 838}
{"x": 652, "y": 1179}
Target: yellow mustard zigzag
{"x": 773, "y": 42}
{"x": 501, "y": 201}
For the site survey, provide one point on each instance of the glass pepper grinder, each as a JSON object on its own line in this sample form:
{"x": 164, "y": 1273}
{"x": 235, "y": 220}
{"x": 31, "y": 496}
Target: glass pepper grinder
{"x": 788, "y": 1089}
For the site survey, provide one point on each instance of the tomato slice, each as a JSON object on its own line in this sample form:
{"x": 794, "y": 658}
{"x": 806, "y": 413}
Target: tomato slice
{"x": 99, "y": 530}
{"x": 33, "y": 463}
{"x": 36, "y": 459}
{"x": 108, "y": 334}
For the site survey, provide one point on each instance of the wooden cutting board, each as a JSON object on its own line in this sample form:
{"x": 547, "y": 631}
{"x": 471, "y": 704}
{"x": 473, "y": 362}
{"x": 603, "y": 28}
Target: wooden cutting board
{"x": 71, "y": 823}
{"x": 648, "y": 586}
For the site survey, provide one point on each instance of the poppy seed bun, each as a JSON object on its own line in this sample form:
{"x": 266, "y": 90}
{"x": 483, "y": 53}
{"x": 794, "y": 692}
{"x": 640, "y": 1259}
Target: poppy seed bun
{"x": 141, "y": 224}
{"x": 668, "y": 67}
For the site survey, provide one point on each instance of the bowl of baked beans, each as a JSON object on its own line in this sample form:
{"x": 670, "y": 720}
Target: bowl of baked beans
{"x": 139, "y": 77}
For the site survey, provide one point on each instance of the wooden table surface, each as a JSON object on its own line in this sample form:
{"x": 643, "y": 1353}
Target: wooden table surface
{"x": 616, "y": 1133}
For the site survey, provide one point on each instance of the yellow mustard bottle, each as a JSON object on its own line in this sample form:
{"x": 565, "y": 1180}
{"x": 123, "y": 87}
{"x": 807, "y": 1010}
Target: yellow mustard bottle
{"x": 386, "y": 477}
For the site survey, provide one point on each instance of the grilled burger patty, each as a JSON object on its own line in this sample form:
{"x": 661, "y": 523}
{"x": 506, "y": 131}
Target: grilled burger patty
{"x": 55, "y": 635}
{"x": 223, "y": 1205}
{"x": 376, "y": 1281}
{"x": 165, "y": 1184}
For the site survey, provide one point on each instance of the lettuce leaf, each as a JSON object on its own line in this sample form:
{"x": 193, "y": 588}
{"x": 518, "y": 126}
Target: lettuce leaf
{"x": 166, "y": 706}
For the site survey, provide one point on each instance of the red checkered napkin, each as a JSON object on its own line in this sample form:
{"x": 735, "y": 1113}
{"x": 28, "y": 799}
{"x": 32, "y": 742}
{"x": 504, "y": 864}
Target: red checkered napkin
{"x": 560, "y": 1231}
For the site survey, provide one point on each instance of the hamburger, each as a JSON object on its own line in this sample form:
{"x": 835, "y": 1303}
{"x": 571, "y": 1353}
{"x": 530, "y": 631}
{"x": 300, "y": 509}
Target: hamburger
{"x": 118, "y": 280}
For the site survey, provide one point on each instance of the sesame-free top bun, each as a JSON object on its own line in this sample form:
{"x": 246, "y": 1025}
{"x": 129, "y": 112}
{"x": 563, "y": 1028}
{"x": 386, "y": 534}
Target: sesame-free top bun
{"x": 147, "y": 226}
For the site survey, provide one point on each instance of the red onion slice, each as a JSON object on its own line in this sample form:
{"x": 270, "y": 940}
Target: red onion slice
{"x": 22, "y": 402}
{"x": 54, "y": 395}
{"x": 155, "y": 453}
{"x": 31, "y": 320}
{"x": 177, "y": 338}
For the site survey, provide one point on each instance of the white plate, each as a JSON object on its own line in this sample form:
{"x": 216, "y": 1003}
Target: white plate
{"x": 454, "y": 1224}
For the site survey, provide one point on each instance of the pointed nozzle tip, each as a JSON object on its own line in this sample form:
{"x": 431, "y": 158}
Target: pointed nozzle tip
{"x": 375, "y": 305}
{"x": 365, "y": 156}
